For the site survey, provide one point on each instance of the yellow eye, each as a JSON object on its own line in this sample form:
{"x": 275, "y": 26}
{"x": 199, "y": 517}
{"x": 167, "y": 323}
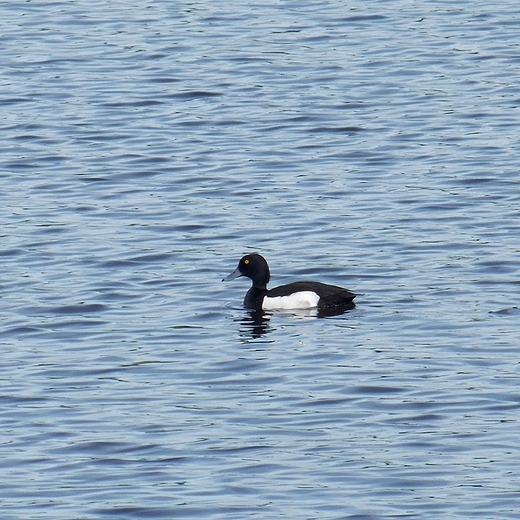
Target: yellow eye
{"x": 246, "y": 262}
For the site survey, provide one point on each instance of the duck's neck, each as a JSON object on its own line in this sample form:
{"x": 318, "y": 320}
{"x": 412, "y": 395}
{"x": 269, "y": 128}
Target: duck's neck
{"x": 260, "y": 283}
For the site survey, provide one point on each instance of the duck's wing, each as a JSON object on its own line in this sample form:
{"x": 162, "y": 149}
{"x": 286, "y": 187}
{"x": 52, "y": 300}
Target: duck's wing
{"x": 330, "y": 295}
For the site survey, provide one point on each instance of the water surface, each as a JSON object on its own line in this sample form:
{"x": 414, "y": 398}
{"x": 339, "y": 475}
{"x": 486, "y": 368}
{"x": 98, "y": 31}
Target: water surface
{"x": 146, "y": 147}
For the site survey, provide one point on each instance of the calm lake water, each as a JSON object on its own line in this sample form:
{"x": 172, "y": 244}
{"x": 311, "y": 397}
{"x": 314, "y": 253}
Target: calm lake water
{"x": 146, "y": 146}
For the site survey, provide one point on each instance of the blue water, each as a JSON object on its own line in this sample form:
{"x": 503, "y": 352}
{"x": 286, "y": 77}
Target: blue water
{"x": 146, "y": 146}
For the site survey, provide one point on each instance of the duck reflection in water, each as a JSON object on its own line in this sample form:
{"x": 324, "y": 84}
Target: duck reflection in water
{"x": 256, "y": 324}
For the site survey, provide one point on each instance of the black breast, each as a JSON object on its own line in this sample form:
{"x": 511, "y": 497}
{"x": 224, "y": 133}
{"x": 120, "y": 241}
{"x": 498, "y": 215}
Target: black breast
{"x": 254, "y": 298}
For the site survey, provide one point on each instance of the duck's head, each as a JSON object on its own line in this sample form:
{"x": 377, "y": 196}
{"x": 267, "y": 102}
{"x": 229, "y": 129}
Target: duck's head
{"x": 253, "y": 266}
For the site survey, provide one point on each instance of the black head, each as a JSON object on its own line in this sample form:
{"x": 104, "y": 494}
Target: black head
{"x": 253, "y": 266}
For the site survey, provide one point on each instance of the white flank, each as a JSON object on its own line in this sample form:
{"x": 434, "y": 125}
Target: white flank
{"x": 299, "y": 300}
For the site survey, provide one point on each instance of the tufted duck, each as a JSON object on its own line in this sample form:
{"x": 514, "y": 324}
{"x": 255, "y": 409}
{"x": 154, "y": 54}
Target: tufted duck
{"x": 297, "y": 295}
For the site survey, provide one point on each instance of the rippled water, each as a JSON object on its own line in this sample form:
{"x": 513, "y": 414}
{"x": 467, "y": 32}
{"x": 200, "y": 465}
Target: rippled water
{"x": 147, "y": 146}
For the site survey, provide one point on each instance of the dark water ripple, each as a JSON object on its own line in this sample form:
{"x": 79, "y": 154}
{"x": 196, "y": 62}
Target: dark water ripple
{"x": 146, "y": 147}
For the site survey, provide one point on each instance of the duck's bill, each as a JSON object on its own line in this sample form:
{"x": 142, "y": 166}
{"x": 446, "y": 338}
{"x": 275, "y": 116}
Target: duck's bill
{"x": 235, "y": 274}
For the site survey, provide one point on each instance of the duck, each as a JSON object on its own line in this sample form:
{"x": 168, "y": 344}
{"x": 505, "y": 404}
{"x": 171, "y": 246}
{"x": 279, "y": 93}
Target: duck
{"x": 296, "y": 295}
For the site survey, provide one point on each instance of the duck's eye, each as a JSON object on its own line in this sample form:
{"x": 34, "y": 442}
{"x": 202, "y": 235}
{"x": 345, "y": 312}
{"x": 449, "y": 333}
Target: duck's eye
{"x": 246, "y": 262}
